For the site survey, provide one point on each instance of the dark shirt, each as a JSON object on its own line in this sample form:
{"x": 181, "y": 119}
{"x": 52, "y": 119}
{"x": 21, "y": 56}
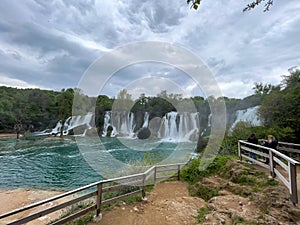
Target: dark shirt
{"x": 273, "y": 144}
{"x": 253, "y": 140}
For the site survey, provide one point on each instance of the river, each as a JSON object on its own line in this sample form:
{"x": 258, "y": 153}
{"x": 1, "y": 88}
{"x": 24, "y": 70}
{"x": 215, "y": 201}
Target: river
{"x": 59, "y": 164}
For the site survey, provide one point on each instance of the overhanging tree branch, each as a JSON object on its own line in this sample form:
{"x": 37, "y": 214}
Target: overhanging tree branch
{"x": 195, "y": 4}
{"x": 255, "y": 3}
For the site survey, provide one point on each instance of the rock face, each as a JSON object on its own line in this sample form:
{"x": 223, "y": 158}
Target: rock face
{"x": 245, "y": 195}
{"x": 144, "y": 133}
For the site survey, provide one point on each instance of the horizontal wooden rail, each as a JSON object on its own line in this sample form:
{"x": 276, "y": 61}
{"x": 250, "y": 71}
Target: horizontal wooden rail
{"x": 120, "y": 197}
{"x": 101, "y": 187}
{"x": 74, "y": 215}
{"x": 289, "y": 147}
{"x": 276, "y": 159}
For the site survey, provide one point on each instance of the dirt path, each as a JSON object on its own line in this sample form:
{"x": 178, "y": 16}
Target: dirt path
{"x": 168, "y": 203}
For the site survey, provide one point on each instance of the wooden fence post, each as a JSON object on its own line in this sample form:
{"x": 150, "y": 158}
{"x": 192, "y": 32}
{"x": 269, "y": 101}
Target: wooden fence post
{"x": 178, "y": 173}
{"x": 272, "y": 165}
{"x": 144, "y": 187}
{"x": 293, "y": 183}
{"x": 154, "y": 175}
{"x": 99, "y": 199}
{"x": 239, "y": 150}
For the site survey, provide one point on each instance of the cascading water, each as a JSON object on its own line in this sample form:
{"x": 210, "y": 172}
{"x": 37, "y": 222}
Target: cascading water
{"x": 122, "y": 123}
{"x": 56, "y": 129}
{"x": 247, "y": 115}
{"x": 209, "y": 120}
{"x": 131, "y": 124}
{"x": 107, "y": 124}
{"x": 183, "y": 130}
{"x": 73, "y": 122}
{"x": 146, "y": 120}
{"x": 189, "y": 125}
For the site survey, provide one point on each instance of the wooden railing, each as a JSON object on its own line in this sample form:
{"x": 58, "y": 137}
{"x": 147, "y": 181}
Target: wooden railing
{"x": 95, "y": 192}
{"x": 279, "y": 164}
{"x": 289, "y": 147}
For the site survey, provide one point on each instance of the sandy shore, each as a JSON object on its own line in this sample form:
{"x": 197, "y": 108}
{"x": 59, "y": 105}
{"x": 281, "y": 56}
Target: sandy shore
{"x": 13, "y": 199}
{"x": 7, "y": 135}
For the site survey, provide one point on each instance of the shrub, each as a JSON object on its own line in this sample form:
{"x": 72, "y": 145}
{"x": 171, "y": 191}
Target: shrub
{"x": 201, "y": 214}
{"x": 192, "y": 173}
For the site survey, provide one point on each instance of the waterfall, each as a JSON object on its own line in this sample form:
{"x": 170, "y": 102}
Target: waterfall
{"x": 107, "y": 124}
{"x": 168, "y": 129}
{"x": 73, "y": 122}
{"x": 56, "y": 129}
{"x": 174, "y": 126}
{"x": 146, "y": 120}
{"x": 247, "y": 115}
{"x": 131, "y": 124}
{"x": 122, "y": 123}
{"x": 179, "y": 127}
{"x": 209, "y": 120}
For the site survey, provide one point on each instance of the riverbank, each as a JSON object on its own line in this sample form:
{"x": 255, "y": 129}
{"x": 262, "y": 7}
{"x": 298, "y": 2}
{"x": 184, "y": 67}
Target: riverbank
{"x": 13, "y": 199}
{"x": 7, "y": 135}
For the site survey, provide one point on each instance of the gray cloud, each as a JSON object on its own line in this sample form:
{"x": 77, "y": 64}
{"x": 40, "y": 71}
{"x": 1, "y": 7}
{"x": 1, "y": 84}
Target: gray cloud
{"x": 49, "y": 44}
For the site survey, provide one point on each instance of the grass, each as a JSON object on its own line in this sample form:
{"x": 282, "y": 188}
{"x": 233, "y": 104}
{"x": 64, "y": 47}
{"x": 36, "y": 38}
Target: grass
{"x": 75, "y": 208}
{"x": 238, "y": 220}
{"x": 82, "y": 220}
{"x": 192, "y": 173}
{"x": 245, "y": 180}
{"x": 201, "y": 214}
{"x": 207, "y": 193}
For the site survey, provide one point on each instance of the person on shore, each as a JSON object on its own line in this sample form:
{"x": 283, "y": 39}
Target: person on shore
{"x": 270, "y": 143}
{"x": 252, "y": 139}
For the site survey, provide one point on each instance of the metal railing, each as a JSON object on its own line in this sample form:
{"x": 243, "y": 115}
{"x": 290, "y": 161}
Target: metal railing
{"x": 94, "y": 192}
{"x": 278, "y": 164}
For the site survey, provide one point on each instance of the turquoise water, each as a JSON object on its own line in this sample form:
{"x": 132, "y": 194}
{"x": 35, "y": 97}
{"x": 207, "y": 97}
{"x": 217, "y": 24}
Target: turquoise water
{"x": 59, "y": 164}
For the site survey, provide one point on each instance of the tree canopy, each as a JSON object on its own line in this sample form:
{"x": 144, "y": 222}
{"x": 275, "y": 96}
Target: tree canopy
{"x": 281, "y": 107}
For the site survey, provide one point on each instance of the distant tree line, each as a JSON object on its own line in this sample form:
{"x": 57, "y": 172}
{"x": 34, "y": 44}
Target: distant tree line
{"x": 33, "y": 109}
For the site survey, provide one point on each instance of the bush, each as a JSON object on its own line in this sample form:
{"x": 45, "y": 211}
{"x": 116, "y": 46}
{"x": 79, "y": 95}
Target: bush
{"x": 192, "y": 173}
{"x": 206, "y": 193}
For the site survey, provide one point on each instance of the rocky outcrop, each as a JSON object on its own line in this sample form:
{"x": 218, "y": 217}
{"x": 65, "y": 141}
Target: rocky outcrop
{"x": 244, "y": 195}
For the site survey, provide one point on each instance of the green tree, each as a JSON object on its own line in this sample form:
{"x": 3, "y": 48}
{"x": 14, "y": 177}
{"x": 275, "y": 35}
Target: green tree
{"x": 281, "y": 107}
{"x": 264, "y": 89}
{"x": 64, "y": 104}
{"x": 292, "y": 80}
{"x": 123, "y": 102}
{"x": 103, "y": 104}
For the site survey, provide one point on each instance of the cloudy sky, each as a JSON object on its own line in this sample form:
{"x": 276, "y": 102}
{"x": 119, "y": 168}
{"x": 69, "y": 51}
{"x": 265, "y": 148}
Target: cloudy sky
{"x": 50, "y": 44}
